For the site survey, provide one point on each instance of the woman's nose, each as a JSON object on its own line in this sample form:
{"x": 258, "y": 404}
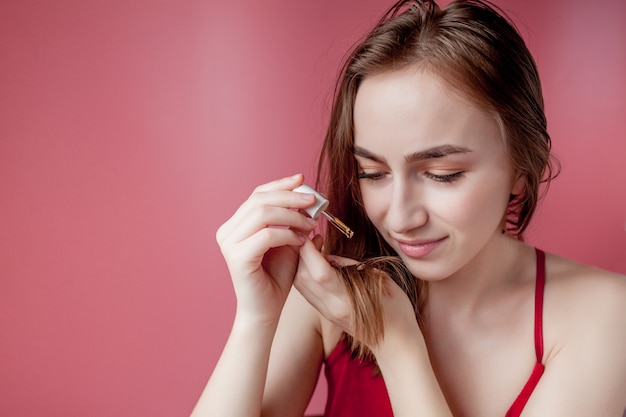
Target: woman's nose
{"x": 407, "y": 209}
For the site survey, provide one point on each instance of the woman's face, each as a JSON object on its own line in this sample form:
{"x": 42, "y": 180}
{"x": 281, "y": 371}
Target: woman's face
{"x": 433, "y": 169}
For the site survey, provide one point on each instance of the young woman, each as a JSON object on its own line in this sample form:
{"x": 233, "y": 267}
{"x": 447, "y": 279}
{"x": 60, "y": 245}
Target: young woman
{"x": 435, "y": 152}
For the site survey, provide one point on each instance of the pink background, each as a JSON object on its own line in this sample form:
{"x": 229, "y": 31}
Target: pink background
{"x": 130, "y": 130}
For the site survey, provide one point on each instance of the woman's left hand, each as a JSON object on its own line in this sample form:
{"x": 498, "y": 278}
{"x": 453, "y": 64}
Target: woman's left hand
{"x": 319, "y": 282}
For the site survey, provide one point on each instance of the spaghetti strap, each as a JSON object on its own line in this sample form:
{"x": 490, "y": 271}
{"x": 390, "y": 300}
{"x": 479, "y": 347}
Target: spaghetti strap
{"x": 539, "y": 290}
{"x": 524, "y": 395}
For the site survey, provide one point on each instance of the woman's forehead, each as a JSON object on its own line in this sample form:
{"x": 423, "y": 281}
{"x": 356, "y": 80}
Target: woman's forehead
{"x": 417, "y": 107}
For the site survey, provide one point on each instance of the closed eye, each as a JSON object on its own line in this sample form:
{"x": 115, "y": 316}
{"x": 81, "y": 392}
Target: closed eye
{"x": 370, "y": 175}
{"x": 448, "y": 178}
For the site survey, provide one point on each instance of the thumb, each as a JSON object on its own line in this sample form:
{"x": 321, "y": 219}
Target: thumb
{"x": 338, "y": 261}
{"x": 318, "y": 241}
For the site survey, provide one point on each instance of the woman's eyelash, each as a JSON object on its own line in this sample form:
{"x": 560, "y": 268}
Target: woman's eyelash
{"x": 444, "y": 178}
{"x": 439, "y": 178}
{"x": 370, "y": 175}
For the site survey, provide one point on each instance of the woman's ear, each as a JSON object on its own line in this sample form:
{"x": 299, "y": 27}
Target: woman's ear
{"x": 519, "y": 184}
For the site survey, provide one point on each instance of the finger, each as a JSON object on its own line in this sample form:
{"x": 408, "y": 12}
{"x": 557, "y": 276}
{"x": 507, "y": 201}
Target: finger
{"x": 272, "y": 237}
{"x": 321, "y": 285}
{"x": 286, "y": 183}
{"x": 270, "y": 216}
{"x": 339, "y": 261}
{"x": 318, "y": 241}
{"x": 316, "y": 277}
{"x": 254, "y": 248}
{"x": 256, "y": 212}
{"x": 314, "y": 262}
{"x": 281, "y": 198}
{"x": 317, "y": 264}
{"x": 263, "y": 195}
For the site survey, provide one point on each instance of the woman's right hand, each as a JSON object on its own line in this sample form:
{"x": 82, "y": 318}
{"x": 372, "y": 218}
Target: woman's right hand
{"x": 259, "y": 243}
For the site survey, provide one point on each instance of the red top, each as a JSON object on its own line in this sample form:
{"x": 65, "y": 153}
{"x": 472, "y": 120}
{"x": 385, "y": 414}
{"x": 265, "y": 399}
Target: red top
{"x": 356, "y": 389}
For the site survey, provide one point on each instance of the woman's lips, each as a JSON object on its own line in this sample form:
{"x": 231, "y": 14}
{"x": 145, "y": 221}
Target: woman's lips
{"x": 419, "y": 248}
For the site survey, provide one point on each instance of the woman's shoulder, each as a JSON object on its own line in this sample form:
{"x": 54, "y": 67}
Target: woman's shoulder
{"x": 584, "y": 333}
{"x": 579, "y": 283}
{"x": 583, "y": 302}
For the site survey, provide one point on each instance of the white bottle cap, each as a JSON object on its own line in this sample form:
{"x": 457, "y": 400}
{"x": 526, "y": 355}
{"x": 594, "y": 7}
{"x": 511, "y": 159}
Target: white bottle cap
{"x": 320, "y": 202}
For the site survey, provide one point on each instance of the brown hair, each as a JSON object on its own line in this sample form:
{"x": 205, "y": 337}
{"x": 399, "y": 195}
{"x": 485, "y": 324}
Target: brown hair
{"x": 477, "y": 50}
{"x": 365, "y": 285}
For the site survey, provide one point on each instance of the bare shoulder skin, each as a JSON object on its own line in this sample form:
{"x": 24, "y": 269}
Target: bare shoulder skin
{"x": 585, "y": 341}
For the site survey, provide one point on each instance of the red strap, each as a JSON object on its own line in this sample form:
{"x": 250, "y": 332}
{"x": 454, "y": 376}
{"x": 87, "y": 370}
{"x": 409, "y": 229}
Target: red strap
{"x": 524, "y": 395}
{"x": 522, "y": 398}
{"x": 539, "y": 287}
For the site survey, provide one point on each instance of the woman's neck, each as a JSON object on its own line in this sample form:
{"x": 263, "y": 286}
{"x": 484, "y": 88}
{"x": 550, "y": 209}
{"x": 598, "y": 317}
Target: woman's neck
{"x": 502, "y": 264}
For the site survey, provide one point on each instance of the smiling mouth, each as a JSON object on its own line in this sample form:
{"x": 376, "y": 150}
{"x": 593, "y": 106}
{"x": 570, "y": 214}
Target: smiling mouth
{"x": 419, "y": 249}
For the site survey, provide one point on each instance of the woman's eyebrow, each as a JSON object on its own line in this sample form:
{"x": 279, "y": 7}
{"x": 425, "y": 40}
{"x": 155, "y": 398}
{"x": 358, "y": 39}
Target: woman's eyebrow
{"x": 436, "y": 152}
{"x": 431, "y": 153}
{"x": 358, "y": 151}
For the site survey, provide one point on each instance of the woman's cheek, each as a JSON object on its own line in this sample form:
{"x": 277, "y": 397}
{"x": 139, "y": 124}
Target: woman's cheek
{"x": 482, "y": 205}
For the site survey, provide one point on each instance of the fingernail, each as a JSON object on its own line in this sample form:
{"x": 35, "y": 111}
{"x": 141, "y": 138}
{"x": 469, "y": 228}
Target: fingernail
{"x": 307, "y": 197}
{"x": 311, "y": 221}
